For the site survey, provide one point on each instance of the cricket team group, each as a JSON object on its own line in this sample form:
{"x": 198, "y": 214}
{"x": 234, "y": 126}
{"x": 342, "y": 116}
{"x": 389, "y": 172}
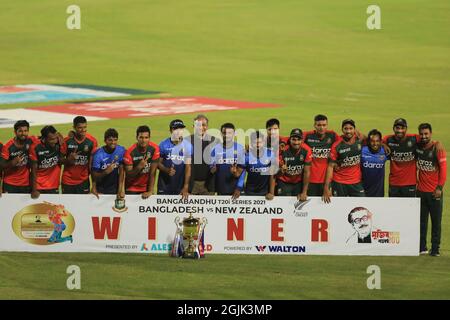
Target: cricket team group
{"x": 319, "y": 162}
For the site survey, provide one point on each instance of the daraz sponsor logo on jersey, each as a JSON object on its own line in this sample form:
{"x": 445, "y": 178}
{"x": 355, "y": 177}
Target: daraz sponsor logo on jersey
{"x": 351, "y": 161}
{"x": 320, "y": 152}
{"x": 369, "y": 165}
{"x": 425, "y": 165}
{"x": 48, "y": 163}
{"x": 227, "y": 161}
{"x": 293, "y": 170}
{"x": 259, "y": 170}
{"x": 175, "y": 157}
{"x": 81, "y": 160}
{"x": 402, "y": 156}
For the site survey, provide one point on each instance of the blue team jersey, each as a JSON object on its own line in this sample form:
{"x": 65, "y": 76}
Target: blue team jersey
{"x": 173, "y": 155}
{"x": 109, "y": 183}
{"x": 372, "y": 165}
{"x": 258, "y": 171}
{"x": 223, "y": 159}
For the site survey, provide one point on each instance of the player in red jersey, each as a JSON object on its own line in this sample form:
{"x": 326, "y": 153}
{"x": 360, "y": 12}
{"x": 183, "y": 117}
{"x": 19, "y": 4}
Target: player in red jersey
{"x": 45, "y": 159}
{"x": 432, "y": 174}
{"x": 344, "y": 169}
{"x": 14, "y": 160}
{"x": 141, "y": 161}
{"x": 320, "y": 141}
{"x": 77, "y": 152}
{"x": 295, "y": 167}
{"x": 402, "y": 175}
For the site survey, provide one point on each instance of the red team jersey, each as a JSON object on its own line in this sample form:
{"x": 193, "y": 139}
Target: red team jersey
{"x": 48, "y": 171}
{"x": 320, "y": 152}
{"x": 348, "y": 159}
{"x": 432, "y": 168}
{"x": 295, "y": 163}
{"x": 18, "y": 175}
{"x": 403, "y": 160}
{"x": 132, "y": 157}
{"x": 79, "y": 172}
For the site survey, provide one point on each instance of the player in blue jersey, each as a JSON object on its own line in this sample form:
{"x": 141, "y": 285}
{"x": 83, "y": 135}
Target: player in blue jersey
{"x": 108, "y": 174}
{"x": 259, "y": 167}
{"x": 373, "y": 160}
{"x": 225, "y": 157}
{"x": 175, "y": 162}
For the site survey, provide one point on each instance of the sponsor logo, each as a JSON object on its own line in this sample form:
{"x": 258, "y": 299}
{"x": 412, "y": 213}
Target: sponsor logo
{"x": 155, "y": 247}
{"x": 281, "y": 249}
{"x": 44, "y": 224}
{"x": 298, "y": 206}
{"x": 391, "y": 237}
{"x": 321, "y": 153}
{"x": 425, "y": 165}
{"x": 402, "y": 156}
{"x": 369, "y": 165}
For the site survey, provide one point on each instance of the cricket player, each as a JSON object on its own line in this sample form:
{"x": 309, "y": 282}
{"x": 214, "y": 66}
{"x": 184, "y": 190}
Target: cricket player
{"x": 108, "y": 175}
{"x": 141, "y": 161}
{"x": 77, "y": 154}
{"x": 320, "y": 141}
{"x": 45, "y": 159}
{"x": 175, "y": 162}
{"x": 343, "y": 175}
{"x": 295, "y": 168}
{"x": 373, "y": 160}
{"x": 432, "y": 174}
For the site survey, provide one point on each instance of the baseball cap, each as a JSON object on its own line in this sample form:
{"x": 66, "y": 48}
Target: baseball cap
{"x": 400, "y": 122}
{"x": 296, "y": 133}
{"x": 176, "y": 124}
{"x": 348, "y": 121}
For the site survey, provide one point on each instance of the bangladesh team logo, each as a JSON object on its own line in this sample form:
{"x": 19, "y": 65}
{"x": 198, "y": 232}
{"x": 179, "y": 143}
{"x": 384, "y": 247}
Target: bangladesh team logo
{"x": 44, "y": 224}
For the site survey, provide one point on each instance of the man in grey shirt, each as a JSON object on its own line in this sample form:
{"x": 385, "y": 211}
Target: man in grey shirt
{"x": 202, "y": 180}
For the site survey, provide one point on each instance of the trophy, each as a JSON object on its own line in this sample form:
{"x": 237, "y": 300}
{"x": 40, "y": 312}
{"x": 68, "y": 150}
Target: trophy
{"x": 188, "y": 241}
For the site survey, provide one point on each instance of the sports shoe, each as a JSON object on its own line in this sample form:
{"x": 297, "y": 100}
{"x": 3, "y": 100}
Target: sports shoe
{"x": 423, "y": 252}
{"x": 435, "y": 253}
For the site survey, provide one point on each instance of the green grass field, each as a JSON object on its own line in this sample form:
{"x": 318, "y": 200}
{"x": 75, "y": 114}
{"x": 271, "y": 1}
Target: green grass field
{"x": 309, "y": 56}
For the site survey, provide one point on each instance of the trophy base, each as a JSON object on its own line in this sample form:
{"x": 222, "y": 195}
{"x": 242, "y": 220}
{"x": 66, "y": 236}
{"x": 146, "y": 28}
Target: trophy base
{"x": 190, "y": 256}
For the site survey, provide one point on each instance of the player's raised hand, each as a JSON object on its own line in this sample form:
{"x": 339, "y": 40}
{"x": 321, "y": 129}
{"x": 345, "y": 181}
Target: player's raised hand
{"x": 284, "y": 168}
{"x": 18, "y": 160}
{"x": 72, "y": 157}
{"x": 110, "y": 167}
{"x": 143, "y": 162}
{"x": 171, "y": 172}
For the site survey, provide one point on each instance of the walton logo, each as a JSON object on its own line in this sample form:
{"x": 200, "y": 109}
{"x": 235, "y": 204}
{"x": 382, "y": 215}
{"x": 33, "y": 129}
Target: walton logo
{"x": 282, "y": 249}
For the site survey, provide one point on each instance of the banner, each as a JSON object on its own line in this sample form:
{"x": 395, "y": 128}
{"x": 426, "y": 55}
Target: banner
{"x": 248, "y": 225}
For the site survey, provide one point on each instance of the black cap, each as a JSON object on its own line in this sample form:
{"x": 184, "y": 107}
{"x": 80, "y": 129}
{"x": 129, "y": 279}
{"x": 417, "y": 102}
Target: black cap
{"x": 176, "y": 124}
{"x": 348, "y": 121}
{"x": 400, "y": 122}
{"x": 296, "y": 133}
